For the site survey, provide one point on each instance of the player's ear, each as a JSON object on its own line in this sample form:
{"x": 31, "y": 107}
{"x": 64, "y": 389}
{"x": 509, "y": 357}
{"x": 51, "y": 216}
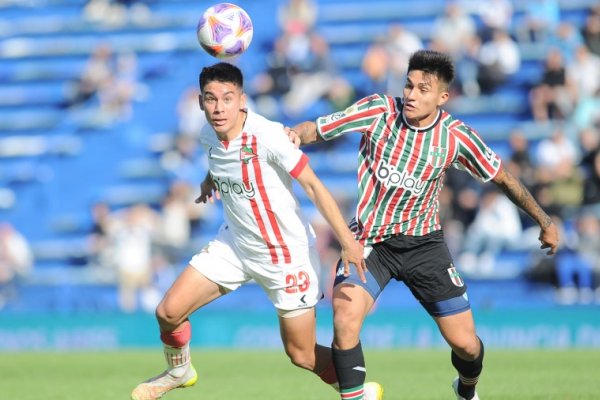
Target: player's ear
{"x": 243, "y": 101}
{"x": 443, "y": 98}
{"x": 200, "y": 102}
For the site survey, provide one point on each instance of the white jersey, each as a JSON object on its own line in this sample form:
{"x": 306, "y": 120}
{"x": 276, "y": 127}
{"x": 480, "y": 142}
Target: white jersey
{"x": 253, "y": 174}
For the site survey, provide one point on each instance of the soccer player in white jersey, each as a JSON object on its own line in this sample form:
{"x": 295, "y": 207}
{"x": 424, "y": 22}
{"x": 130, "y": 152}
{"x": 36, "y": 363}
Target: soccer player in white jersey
{"x": 407, "y": 145}
{"x": 264, "y": 238}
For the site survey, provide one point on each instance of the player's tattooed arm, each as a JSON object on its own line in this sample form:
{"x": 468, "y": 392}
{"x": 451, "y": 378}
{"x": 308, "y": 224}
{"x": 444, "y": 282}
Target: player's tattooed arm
{"x": 519, "y": 195}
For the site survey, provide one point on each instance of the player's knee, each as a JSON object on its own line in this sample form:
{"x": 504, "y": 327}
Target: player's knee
{"x": 300, "y": 358}
{"x": 347, "y": 323}
{"x": 467, "y": 348}
{"x": 167, "y": 316}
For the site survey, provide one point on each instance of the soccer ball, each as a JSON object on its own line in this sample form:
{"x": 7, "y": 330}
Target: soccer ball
{"x": 225, "y": 30}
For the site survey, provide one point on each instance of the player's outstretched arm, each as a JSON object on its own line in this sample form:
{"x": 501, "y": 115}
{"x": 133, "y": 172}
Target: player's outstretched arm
{"x": 207, "y": 187}
{"x": 352, "y": 251}
{"x": 518, "y": 194}
{"x": 304, "y": 133}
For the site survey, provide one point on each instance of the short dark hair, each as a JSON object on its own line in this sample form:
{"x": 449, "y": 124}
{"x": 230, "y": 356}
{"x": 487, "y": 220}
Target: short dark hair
{"x": 222, "y": 72}
{"x": 433, "y": 62}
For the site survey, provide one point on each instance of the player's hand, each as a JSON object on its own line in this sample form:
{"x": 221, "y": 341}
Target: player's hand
{"x": 549, "y": 238}
{"x": 207, "y": 188}
{"x": 293, "y": 136}
{"x": 354, "y": 254}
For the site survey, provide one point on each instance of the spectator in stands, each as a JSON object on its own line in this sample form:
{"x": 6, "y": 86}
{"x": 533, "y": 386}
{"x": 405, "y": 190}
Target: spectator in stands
{"x": 498, "y": 59}
{"x": 16, "y": 261}
{"x": 566, "y": 39}
{"x": 577, "y": 260}
{"x": 540, "y": 19}
{"x": 454, "y": 31}
{"x": 312, "y": 72}
{"x": 190, "y": 119}
{"x": 495, "y": 15}
{"x": 583, "y": 75}
{"x": 297, "y": 16}
{"x": 116, "y": 13}
{"x": 496, "y": 227}
{"x": 401, "y": 44}
{"x": 520, "y": 162}
{"x": 550, "y": 98}
{"x": 96, "y": 75}
{"x": 591, "y": 185}
{"x": 174, "y": 225}
{"x": 591, "y": 31}
{"x": 132, "y": 254}
{"x": 122, "y": 89}
{"x": 182, "y": 161}
{"x": 100, "y": 234}
{"x": 375, "y": 67}
{"x": 557, "y": 172}
{"x": 270, "y": 85}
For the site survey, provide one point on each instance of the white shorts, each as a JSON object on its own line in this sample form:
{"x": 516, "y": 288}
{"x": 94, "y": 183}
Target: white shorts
{"x": 289, "y": 286}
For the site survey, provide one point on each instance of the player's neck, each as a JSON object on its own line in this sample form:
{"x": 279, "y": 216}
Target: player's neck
{"x": 236, "y": 131}
{"x": 423, "y": 123}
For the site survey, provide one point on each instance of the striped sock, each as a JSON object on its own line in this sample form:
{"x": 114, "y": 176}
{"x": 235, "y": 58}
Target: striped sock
{"x": 356, "y": 393}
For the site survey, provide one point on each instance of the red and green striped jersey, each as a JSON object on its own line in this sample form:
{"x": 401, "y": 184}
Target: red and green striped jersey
{"x": 401, "y": 168}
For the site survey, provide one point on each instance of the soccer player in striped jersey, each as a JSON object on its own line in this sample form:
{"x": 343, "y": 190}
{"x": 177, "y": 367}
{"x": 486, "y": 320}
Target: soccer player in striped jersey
{"x": 407, "y": 145}
{"x": 264, "y": 238}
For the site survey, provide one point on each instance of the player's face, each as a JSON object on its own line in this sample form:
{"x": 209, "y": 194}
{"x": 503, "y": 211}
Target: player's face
{"x": 423, "y": 95}
{"x": 223, "y": 103}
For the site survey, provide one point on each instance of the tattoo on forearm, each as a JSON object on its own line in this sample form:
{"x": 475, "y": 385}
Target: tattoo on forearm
{"x": 518, "y": 194}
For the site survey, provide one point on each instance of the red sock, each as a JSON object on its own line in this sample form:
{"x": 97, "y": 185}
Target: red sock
{"x": 179, "y": 337}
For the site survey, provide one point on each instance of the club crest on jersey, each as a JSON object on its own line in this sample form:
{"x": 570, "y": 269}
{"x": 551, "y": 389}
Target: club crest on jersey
{"x": 455, "y": 276}
{"x": 247, "y": 154}
{"x": 436, "y": 156}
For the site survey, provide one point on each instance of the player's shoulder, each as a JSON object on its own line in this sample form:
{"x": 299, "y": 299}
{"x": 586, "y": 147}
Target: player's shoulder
{"x": 260, "y": 125}
{"x": 454, "y": 125}
{"x": 377, "y": 100}
{"x": 266, "y": 131}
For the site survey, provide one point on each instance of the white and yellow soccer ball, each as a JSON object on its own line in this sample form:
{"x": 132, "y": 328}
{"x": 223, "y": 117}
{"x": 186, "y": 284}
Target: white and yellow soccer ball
{"x": 225, "y": 30}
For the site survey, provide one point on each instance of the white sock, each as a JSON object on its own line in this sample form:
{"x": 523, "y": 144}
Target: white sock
{"x": 178, "y": 359}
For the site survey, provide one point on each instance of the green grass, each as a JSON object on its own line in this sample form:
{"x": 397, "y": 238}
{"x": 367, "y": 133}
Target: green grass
{"x": 254, "y": 375}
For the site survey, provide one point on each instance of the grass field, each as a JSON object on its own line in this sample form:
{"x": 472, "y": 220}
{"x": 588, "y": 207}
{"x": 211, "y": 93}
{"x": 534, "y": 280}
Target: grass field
{"x": 254, "y": 375}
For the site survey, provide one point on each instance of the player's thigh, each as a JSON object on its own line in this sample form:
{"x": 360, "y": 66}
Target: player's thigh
{"x": 190, "y": 291}
{"x": 351, "y": 303}
{"x": 458, "y": 330}
{"x": 213, "y": 272}
{"x": 298, "y": 330}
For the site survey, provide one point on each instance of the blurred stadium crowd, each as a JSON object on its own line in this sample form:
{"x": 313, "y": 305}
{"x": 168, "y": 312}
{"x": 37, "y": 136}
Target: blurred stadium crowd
{"x": 98, "y": 122}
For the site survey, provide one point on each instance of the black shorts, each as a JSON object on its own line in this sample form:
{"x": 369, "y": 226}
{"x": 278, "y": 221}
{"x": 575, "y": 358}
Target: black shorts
{"x": 425, "y": 266}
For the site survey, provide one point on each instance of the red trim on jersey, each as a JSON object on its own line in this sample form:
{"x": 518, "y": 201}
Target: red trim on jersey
{"x": 267, "y": 204}
{"x": 302, "y": 162}
{"x": 254, "y": 205}
{"x": 225, "y": 144}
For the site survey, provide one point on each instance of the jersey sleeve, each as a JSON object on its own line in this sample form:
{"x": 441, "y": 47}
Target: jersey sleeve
{"x": 474, "y": 156}
{"x": 283, "y": 153}
{"x": 356, "y": 118}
